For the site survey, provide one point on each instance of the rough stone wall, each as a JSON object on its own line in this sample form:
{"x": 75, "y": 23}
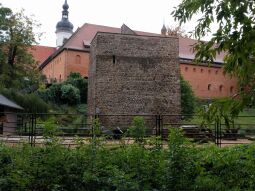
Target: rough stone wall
{"x": 133, "y": 75}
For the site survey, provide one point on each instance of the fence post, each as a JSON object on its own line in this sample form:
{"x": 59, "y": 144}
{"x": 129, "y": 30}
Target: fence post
{"x": 218, "y": 133}
{"x": 32, "y": 126}
{"x": 159, "y": 125}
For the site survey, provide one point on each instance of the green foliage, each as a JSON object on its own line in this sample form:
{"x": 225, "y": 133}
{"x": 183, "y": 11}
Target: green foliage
{"x": 96, "y": 129}
{"x": 137, "y": 130}
{"x": 131, "y": 167}
{"x": 72, "y": 91}
{"x": 50, "y": 132}
{"x": 79, "y": 82}
{"x": 181, "y": 168}
{"x": 70, "y": 94}
{"x": 234, "y": 23}
{"x": 222, "y": 110}
{"x": 17, "y": 66}
{"x": 188, "y": 100}
{"x": 53, "y": 93}
{"x": 30, "y": 102}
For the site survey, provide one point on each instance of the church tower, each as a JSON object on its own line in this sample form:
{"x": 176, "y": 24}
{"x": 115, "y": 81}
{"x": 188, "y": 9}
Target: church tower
{"x": 64, "y": 28}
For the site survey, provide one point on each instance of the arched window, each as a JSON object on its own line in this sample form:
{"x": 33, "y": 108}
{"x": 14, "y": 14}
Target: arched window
{"x": 194, "y": 69}
{"x": 202, "y": 70}
{"x": 209, "y": 71}
{"x": 77, "y": 59}
{"x": 186, "y": 69}
{"x": 231, "y": 89}
{"x": 221, "y": 88}
{"x": 209, "y": 87}
{"x": 60, "y": 78}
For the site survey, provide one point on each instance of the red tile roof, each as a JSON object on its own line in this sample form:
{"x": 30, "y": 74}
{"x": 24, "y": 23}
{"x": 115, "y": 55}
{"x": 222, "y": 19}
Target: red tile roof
{"x": 185, "y": 50}
{"x": 86, "y": 33}
{"x": 41, "y": 53}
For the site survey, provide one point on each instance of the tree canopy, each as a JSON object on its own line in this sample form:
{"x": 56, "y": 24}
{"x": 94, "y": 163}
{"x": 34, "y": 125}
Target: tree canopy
{"x": 234, "y": 35}
{"x": 17, "y": 66}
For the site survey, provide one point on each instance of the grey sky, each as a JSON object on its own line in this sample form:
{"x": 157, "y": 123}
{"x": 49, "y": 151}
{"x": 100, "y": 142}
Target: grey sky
{"x": 143, "y": 15}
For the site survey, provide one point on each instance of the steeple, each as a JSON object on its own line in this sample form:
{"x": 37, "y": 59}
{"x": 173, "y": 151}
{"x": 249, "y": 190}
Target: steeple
{"x": 163, "y": 30}
{"x": 64, "y": 28}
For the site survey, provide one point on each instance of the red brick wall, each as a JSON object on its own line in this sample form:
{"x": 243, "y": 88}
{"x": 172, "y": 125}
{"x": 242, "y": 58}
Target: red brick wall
{"x": 55, "y": 70}
{"x": 77, "y": 62}
{"x": 208, "y": 82}
{"x": 66, "y": 62}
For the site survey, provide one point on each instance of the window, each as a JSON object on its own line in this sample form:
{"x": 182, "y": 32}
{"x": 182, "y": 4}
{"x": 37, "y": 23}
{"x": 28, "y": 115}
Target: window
{"x": 60, "y": 78}
{"x": 209, "y": 71}
{"x": 221, "y": 88}
{"x": 209, "y": 87}
{"x": 64, "y": 40}
{"x": 231, "y": 89}
{"x": 113, "y": 59}
{"x": 194, "y": 69}
{"x": 186, "y": 69}
{"x": 78, "y": 59}
{"x": 202, "y": 70}
{"x": 216, "y": 72}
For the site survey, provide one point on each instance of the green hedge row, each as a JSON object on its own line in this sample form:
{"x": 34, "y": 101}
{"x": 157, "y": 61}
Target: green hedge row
{"x": 181, "y": 166}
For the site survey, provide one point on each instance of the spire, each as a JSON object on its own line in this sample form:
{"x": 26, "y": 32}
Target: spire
{"x": 64, "y": 24}
{"x": 65, "y": 10}
{"x": 163, "y": 30}
{"x": 64, "y": 28}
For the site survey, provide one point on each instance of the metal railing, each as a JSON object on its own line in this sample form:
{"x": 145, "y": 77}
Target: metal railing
{"x": 31, "y": 127}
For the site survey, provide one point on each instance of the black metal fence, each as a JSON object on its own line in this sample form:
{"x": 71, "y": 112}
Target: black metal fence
{"x": 17, "y": 127}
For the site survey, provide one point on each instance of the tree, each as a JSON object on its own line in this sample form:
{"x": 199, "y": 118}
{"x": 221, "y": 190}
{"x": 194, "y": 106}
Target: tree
{"x": 176, "y": 31}
{"x": 235, "y": 34}
{"x": 188, "y": 100}
{"x": 79, "y": 82}
{"x": 17, "y": 66}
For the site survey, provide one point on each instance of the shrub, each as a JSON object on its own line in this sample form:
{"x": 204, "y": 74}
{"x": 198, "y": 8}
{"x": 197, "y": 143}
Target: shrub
{"x": 72, "y": 91}
{"x": 188, "y": 100}
{"x": 137, "y": 130}
{"x": 70, "y": 94}
{"x": 31, "y": 103}
{"x": 79, "y": 82}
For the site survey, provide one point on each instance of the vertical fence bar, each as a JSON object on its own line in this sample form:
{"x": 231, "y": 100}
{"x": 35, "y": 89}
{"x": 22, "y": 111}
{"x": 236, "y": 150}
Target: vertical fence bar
{"x": 31, "y": 135}
{"x": 34, "y": 132}
{"x": 29, "y": 129}
{"x": 218, "y": 133}
{"x": 157, "y": 126}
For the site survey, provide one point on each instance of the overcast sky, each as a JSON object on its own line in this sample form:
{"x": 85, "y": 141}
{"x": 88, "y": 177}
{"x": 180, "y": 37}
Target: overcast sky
{"x": 143, "y": 15}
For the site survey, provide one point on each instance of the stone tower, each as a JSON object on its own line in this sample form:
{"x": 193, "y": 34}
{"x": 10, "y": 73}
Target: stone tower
{"x": 133, "y": 75}
{"x": 64, "y": 28}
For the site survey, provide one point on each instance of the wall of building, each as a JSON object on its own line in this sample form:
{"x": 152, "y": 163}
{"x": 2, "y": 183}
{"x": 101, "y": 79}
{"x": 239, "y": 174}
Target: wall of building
{"x": 55, "y": 69}
{"x": 208, "y": 82}
{"x": 131, "y": 74}
{"x": 66, "y": 62}
{"x": 77, "y": 61}
{"x": 10, "y": 124}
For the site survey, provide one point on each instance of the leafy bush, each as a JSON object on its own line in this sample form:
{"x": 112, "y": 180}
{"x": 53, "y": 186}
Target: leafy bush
{"x": 137, "y": 130}
{"x": 79, "y": 82}
{"x": 72, "y": 91}
{"x": 129, "y": 167}
{"x": 31, "y": 103}
{"x": 188, "y": 100}
{"x": 70, "y": 94}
